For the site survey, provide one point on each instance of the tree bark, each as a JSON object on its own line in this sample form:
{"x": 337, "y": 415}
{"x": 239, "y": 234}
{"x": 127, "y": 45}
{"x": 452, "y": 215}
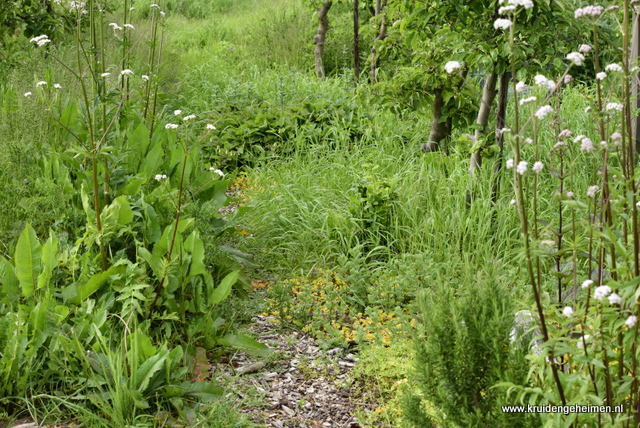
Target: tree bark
{"x": 439, "y": 129}
{"x": 635, "y": 82}
{"x": 382, "y": 34}
{"x": 356, "y": 46}
{"x": 488, "y": 95}
{"x": 501, "y": 120}
{"x": 321, "y": 36}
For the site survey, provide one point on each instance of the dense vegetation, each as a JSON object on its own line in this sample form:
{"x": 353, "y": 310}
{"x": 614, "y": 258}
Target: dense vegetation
{"x": 469, "y": 192}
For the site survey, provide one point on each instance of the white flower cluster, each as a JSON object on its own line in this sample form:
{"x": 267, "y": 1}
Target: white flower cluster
{"x": 189, "y": 117}
{"x": 522, "y": 167}
{"x": 564, "y": 133}
{"x": 217, "y": 171}
{"x": 126, "y": 72}
{"x": 77, "y": 5}
{"x": 588, "y": 11}
{"x": 521, "y": 86}
{"x": 537, "y": 167}
{"x": 543, "y": 81}
{"x": 631, "y": 321}
{"x": 543, "y": 111}
{"x": 528, "y": 100}
{"x": 591, "y": 192}
{"x": 527, "y": 4}
{"x": 171, "y": 126}
{"x": 115, "y": 26}
{"x": 584, "y": 48}
{"x": 567, "y": 311}
{"x": 601, "y": 292}
{"x": 576, "y": 57}
{"x": 614, "y": 67}
{"x": 601, "y": 76}
{"x": 210, "y": 126}
{"x": 160, "y": 177}
{"x": 40, "y": 40}
{"x": 451, "y": 66}
{"x": 613, "y": 106}
{"x": 502, "y": 24}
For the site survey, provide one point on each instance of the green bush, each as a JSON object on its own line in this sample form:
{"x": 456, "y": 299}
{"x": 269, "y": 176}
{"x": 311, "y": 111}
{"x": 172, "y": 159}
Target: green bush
{"x": 462, "y": 351}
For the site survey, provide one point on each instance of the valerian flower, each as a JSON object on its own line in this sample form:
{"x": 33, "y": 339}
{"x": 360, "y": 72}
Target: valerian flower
{"x": 592, "y": 190}
{"x": 217, "y": 171}
{"x": 614, "y": 67}
{"x": 41, "y": 83}
{"x": 502, "y": 24}
{"x": 587, "y": 145}
{"x": 210, "y": 126}
{"x": 521, "y": 86}
{"x": 522, "y": 167}
{"x": 537, "y": 167}
{"x": 588, "y": 11}
{"x": 565, "y": 133}
{"x": 576, "y": 57}
{"x": 601, "y": 76}
{"x": 528, "y": 100}
{"x": 41, "y": 40}
{"x": 27, "y": 94}
{"x": 567, "y": 311}
{"x": 189, "y": 117}
{"x": 126, "y": 72}
{"x": 601, "y": 292}
{"x": 177, "y": 112}
{"x": 631, "y": 321}
{"x": 614, "y": 299}
{"x": 587, "y": 283}
{"x": 543, "y": 112}
{"x": 171, "y": 126}
{"x": 509, "y": 163}
{"x": 613, "y": 106}
{"x": 160, "y": 177}
{"x": 584, "y": 48}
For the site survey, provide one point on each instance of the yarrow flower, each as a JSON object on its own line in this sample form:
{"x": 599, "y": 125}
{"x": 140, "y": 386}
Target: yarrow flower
{"x": 177, "y": 112}
{"x": 567, "y": 79}
{"x": 509, "y": 163}
{"x": 27, "y": 94}
{"x": 41, "y": 83}
{"x": 57, "y": 86}
{"x": 564, "y": 133}
{"x": 570, "y": 194}
{"x": 601, "y": 76}
{"x": 191, "y": 116}
{"x": 170, "y": 126}
{"x": 154, "y": 6}
{"x": 587, "y": 145}
{"x": 115, "y": 26}
{"x": 591, "y": 191}
{"x": 217, "y": 171}
{"x": 522, "y": 167}
{"x": 452, "y": 66}
{"x": 129, "y": 26}
{"x": 505, "y": 9}
{"x": 537, "y": 167}
{"x": 587, "y": 110}
{"x": 601, "y": 292}
{"x": 614, "y": 67}
{"x": 548, "y": 243}
{"x": 576, "y": 57}
{"x": 145, "y": 77}
{"x": 631, "y": 321}
{"x": 501, "y": 24}
{"x": 528, "y": 140}
{"x": 521, "y": 86}
{"x": 543, "y": 81}
{"x": 162, "y": 14}
{"x": 528, "y": 100}
{"x": 567, "y": 311}
{"x": 613, "y": 106}
{"x": 587, "y": 283}
{"x": 584, "y": 48}
{"x": 126, "y": 72}
{"x": 210, "y": 126}
{"x": 588, "y": 11}
{"x": 160, "y": 177}
{"x": 614, "y": 299}
{"x": 105, "y": 74}
{"x": 543, "y": 111}
{"x": 512, "y": 202}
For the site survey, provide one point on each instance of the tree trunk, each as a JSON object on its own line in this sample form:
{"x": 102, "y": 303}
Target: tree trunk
{"x": 635, "y": 82}
{"x": 382, "y": 34}
{"x": 488, "y": 95}
{"x": 356, "y": 46}
{"x": 501, "y": 120}
{"x": 439, "y": 129}
{"x": 321, "y": 36}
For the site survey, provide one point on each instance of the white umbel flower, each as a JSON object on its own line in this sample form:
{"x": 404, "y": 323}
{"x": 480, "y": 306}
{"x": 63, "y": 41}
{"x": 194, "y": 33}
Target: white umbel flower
{"x": 537, "y": 167}
{"x": 502, "y": 24}
{"x": 576, "y": 57}
{"x": 567, "y": 311}
{"x": 126, "y": 72}
{"x": 522, "y": 167}
{"x": 452, "y": 66}
{"x": 601, "y": 292}
{"x": 171, "y": 126}
{"x": 543, "y": 111}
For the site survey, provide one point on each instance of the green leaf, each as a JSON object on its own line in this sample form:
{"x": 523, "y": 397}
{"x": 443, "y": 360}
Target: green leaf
{"x": 203, "y": 391}
{"x": 224, "y": 289}
{"x": 154, "y": 262}
{"x": 245, "y": 343}
{"x": 10, "y": 284}
{"x": 146, "y": 371}
{"x": 195, "y": 247}
{"x": 94, "y": 283}
{"x": 28, "y": 260}
{"x": 125, "y": 214}
{"x": 49, "y": 259}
